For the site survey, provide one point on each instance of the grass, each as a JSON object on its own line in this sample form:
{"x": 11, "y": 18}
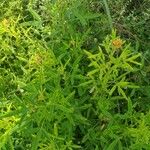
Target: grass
{"x": 67, "y": 82}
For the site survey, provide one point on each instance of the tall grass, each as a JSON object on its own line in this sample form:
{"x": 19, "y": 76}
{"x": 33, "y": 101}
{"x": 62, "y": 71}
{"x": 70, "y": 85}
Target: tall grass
{"x": 108, "y": 13}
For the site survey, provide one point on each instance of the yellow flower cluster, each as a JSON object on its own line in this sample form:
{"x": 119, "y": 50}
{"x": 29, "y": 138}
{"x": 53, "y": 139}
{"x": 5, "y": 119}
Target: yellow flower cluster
{"x": 5, "y": 23}
{"x": 117, "y": 43}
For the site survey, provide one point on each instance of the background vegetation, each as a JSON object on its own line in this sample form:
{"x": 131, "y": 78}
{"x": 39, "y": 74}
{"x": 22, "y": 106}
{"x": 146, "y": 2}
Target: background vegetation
{"x": 74, "y": 74}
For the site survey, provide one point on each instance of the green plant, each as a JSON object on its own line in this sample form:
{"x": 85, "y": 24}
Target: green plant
{"x": 111, "y": 66}
{"x": 109, "y": 83}
{"x": 67, "y": 82}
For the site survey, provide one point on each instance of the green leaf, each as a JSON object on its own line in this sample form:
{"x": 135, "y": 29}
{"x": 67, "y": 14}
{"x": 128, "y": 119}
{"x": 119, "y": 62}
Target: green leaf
{"x": 92, "y": 72}
{"x": 134, "y": 57}
{"x": 34, "y": 14}
{"x": 130, "y": 106}
{"x": 113, "y": 145}
{"x": 35, "y": 141}
{"x": 122, "y": 93}
{"x": 80, "y": 17}
{"x": 112, "y": 90}
{"x": 86, "y": 83}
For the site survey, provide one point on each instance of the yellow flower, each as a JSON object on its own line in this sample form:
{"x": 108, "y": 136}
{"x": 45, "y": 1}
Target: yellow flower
{"x": 5, "y": 22}
{"x": 117, "y": 43}
{"x": 37, "y": 59}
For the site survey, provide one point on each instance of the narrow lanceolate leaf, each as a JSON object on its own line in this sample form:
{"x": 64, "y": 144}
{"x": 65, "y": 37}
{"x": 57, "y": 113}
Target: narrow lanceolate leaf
{"x": 90, "y": 55}
{"x": 86, "y": 83}
{"x": 120, "y": 91}
{"x": 112, "y": 90}
{"x": 135, "y": 62}
{"x": 91, "y": 16}
{"x": 92, "y": 72}
{"x": 123, "y": 84}
{"x": 95, "y": 64}
{"x": 113, "y": 145}
{"x": 34, "y": 14}
{"x": 79, "y": 17}
{"x": 31, "y": 23}
{"x": 133, "y": 86}
{"x": 35, "y": 140}
{"x": 130, "y": 106}
{"x": 55, "y": 129}
{"x": 134, "y": 57}
{"x": 22, "y": 59}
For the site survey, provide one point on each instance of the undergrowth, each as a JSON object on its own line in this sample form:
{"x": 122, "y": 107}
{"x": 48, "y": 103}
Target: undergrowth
{"x": 72, "y": 76}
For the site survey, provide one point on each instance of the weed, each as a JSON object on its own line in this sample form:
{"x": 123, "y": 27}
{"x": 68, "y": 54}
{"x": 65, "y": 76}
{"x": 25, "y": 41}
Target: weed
{"x": 67, "y": 82}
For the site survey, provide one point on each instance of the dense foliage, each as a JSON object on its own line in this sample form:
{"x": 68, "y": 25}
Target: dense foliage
{"x": 74, "y": 74}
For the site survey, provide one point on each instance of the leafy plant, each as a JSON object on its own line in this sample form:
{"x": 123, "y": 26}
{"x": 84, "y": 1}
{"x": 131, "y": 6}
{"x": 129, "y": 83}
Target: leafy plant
{"x": 111, "y": 65}
{"x": 67, "y": 82}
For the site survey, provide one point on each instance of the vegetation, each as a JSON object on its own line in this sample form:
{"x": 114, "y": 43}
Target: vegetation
{"x": 74, "y": 74}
